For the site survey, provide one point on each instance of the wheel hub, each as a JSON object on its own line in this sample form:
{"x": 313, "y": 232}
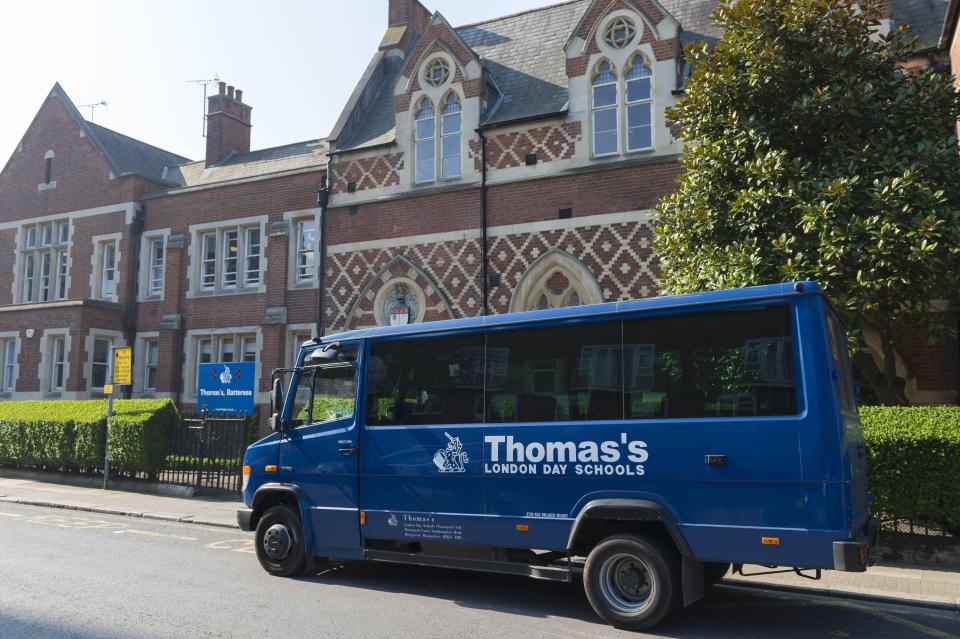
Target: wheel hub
{"x": 626, "y": 583}
{"x": 277, "y": 542}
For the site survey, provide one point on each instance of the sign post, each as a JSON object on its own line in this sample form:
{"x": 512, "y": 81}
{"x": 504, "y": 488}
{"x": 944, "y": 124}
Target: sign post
{"x": 120, "y": 374}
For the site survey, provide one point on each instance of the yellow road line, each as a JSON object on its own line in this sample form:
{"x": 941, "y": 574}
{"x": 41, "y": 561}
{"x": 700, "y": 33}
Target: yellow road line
{"x": 10, "y": 515}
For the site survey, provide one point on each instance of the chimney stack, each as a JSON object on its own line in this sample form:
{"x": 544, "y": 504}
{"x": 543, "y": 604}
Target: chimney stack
{"x": 406, "y": 20}
{"x": 228, "y": 124}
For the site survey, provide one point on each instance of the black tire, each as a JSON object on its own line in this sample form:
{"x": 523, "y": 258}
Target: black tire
{"x": 632, "y": 581}
{"x": 279, "y": 542}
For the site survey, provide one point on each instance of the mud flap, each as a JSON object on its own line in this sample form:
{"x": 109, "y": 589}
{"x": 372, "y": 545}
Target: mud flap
{"x": 692, "y": 581}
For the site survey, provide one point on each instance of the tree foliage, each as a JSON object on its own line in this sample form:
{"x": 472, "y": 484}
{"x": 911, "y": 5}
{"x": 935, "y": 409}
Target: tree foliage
{"x": 812, "y": 154}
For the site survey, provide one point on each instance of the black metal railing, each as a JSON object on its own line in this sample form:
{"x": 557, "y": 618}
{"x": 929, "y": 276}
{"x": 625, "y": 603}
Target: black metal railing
{"x": 207, "y": 453}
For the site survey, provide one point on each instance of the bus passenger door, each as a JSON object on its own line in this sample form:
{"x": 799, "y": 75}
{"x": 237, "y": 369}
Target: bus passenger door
{"x": 421, "y": 460}
{"x": 319, "y": 453}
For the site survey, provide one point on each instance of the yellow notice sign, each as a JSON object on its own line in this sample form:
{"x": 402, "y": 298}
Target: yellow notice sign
{"x": 122, "y": 365}
{"x": 107, "y": 389}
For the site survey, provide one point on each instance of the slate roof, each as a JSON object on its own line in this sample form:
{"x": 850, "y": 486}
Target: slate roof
{"x": 123, "y": 154}
{"x": 299, "y": 156}
{"x": 523, "y": 55}
{"x": 133, "y": 157}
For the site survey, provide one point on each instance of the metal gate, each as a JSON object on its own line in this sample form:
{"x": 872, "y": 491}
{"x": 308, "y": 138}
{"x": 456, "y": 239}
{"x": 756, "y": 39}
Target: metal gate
{"x": 206, "y": 453}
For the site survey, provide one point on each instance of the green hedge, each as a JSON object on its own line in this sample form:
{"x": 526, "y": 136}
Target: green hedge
{"x": 70, "y": 434}
{"x": 914, "y": 455}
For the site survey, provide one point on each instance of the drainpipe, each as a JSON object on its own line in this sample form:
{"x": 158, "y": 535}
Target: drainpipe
{"x": 323, "y": 198}
{"x": 130, "y": 322}
{"x": 485, "y": 280}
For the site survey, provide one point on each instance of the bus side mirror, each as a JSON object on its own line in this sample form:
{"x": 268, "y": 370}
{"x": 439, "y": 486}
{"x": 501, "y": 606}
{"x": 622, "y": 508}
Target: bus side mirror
{"x": 276, "y": 404}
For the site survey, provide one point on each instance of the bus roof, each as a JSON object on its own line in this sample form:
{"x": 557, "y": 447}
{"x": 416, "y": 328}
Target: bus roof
{"x": 728, "y": 296}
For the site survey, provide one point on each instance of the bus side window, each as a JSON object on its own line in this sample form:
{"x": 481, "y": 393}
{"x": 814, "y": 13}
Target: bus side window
{"x": 844, "y": 384}
{"x": 300, "y": 409}
{"x": 718, "y": 364}
{"x": 565, "y": 373}
{"x": 437, "y": 380}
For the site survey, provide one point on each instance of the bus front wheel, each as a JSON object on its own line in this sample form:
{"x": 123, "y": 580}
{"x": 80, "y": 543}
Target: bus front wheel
{"x": 632, "y": 581}
{"x": 279, "y": 542}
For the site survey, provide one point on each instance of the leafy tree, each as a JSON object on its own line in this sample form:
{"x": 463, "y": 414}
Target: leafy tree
{"x": 812, "y": 154}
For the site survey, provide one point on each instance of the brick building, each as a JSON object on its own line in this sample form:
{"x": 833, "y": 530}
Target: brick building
{"x": 494, "y": 167}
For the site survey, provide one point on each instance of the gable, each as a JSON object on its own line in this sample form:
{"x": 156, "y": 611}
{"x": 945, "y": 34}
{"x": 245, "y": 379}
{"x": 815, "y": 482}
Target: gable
{"x": 77, "y": 166}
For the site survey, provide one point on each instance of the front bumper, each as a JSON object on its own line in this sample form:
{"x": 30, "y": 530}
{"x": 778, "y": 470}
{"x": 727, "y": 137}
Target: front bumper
{"x": 245, "y": 518}
{"x": 852, "y": 556}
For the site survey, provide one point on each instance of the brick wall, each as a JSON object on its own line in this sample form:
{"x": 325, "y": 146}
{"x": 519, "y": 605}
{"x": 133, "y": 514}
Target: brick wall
{"x": 81, "y": 173}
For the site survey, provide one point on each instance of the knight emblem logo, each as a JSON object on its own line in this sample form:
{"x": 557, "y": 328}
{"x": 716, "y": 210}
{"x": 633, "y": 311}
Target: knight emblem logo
{"x": 452, "y": 459}
{"x": 392, "y": 520}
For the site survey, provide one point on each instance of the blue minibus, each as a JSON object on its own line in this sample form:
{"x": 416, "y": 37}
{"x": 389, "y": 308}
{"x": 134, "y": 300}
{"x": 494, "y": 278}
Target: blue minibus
{"x": 643, "y": 446}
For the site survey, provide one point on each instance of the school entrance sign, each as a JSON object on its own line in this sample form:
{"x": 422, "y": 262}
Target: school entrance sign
{"x": 226, "y": 388}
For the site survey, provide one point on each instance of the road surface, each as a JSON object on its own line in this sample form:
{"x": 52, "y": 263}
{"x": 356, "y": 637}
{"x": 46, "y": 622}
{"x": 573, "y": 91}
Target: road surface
{"x": 75, "y": 575}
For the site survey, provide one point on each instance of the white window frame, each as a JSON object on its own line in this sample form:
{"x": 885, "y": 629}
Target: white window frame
{"x": 442, "y": 118}
{"x": 594, "y": 109}
{"x": 249, "y": 255}
{"x": 425, "y": 139}
{"x": 150, "y": 288}
{"x": 116, "y": 339}
{"x": 637, "y": 59}
{"x": 151, "y": 346}
{"x": 623, "y": 104}
{"x": 209, "y": 274}
{"x": 305, "y": 268}
{"x": 9, "y": 371}
{"x": 141, "y": 363}
{"x": 46, "y": 371}
{"x": 99, "y": 268}
{"x": 42, "y": 272}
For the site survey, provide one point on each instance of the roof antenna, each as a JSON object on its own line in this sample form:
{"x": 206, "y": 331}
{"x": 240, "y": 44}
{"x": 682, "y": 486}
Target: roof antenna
{"x": 92, "y": 106}
{"x": 205, "y": 84}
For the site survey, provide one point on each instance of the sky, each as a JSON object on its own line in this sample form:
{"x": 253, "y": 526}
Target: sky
{"x": 297, "y": 61}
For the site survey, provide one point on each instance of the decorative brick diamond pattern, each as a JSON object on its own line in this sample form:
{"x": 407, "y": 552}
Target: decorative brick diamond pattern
{"x": 510, "y": 149}
{"x": 620, "y": 256}
{"x": 368, "y": 173}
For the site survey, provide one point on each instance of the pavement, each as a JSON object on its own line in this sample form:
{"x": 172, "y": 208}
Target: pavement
{"x": 209, "y": 511}
{"x": 890, "y": 583}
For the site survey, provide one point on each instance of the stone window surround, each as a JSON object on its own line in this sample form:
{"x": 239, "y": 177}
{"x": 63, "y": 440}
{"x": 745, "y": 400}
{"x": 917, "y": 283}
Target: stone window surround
{"x": 189, "y": 379}
{"x": 194, "y": 257}
{"x": 54, "y": 248}
{"x": 7, "y": 336}
{"x": 619, "y": 60}
{"x": 116, "y": 338}
{"x": 143, "y": 288}
{"x": 129, "y": 209}
{"x": 140, "y": 364}
{"x": 292, "y": 217}
{"x": 45, "y": 369}
{"x": 96, "y": 265}
{"x": 292, "y": 344}
{"x": 533, "y": 282}
{"x": 437, "y": 96}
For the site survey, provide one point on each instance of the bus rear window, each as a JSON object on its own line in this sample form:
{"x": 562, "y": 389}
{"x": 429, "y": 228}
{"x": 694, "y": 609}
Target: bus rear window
{"x": 720, "y": 364}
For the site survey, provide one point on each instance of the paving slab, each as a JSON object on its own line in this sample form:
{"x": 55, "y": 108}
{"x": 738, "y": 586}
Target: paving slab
{"x": 902, "y": 584}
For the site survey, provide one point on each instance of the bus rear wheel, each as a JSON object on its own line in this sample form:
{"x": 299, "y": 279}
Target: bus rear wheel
{"x": 632, "y": 581}
{"x": 279, "y": 542}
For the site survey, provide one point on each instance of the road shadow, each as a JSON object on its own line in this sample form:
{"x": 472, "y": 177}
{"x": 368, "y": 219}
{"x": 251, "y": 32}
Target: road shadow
{"x": 726, "y": 612}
